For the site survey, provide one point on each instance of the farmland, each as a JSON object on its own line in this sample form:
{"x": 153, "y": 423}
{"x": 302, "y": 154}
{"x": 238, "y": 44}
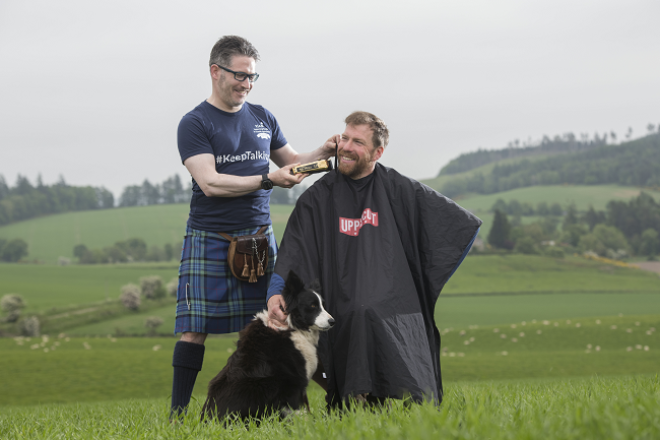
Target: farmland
{"x": 532, "y": 347}
{"x": 53, "y": 236}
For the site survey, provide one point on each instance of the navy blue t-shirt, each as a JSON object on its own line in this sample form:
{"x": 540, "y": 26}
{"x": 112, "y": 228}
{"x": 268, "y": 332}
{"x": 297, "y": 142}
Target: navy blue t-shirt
{"x": 241, "y": 143}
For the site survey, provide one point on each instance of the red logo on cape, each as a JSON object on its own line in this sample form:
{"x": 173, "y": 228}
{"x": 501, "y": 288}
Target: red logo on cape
{"x": 352, "y": 226}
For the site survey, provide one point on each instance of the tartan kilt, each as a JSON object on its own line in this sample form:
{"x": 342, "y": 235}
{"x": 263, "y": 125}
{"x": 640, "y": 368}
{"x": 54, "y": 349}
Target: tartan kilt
{"x": 209, "y": 298}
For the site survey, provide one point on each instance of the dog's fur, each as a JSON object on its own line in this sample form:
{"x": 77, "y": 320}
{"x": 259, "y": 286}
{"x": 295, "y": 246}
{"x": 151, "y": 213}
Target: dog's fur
{"x": 270, "y": 369}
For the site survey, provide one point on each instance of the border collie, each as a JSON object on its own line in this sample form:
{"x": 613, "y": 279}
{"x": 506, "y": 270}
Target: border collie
{"x": 270, "y": 369}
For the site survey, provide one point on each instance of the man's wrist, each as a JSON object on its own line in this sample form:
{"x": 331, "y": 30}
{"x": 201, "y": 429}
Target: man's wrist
{"x": 266, "y": 183}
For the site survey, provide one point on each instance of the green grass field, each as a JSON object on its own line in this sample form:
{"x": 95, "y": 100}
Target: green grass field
{"x": 47, "y": 286}
{"x": 53, "y": 236}
{"x": 581, "y": 195}
{"x": 74, "y": 369}
{"x": 576, "y": 409}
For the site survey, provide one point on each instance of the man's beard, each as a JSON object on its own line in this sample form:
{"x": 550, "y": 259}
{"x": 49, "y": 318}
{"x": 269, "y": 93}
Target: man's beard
{"x": 354, "y": 171}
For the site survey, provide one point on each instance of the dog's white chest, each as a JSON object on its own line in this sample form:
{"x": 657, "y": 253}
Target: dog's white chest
{"x": 306, "y": 343}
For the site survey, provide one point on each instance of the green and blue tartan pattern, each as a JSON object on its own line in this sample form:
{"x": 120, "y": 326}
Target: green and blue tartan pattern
{"x": 209, "y": 298}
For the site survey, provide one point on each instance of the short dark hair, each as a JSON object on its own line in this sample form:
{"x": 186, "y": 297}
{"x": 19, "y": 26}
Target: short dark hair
{"x": 228, "y": 46}
{"x": 381, "y": 133}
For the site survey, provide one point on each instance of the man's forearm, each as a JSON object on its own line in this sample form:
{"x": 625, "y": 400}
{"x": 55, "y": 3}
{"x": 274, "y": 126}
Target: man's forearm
{"x": 225, "y": 185}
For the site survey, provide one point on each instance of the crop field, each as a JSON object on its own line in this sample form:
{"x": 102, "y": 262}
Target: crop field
{"x": 53, "y": 236}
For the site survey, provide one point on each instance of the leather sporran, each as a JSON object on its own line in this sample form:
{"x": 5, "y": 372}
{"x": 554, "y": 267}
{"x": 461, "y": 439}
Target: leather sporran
{"x": 248, "y": 255}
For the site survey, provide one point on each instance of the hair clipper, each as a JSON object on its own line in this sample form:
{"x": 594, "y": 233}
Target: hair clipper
{"x": 320, "y": 166}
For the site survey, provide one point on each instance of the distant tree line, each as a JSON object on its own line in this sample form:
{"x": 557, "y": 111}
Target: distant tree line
{"x": 24, "y": 200}
{"x": 131, "y": 250}
{"x": 636, "y": 163}
{"x": 516, "y": 208}
{"x": 624, "y": 228}
{"x": 567, "y": 143}
{"x": 170, "y": 191}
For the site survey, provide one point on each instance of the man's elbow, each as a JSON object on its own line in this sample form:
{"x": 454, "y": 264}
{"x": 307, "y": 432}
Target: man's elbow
{"x": 210, "y": 190}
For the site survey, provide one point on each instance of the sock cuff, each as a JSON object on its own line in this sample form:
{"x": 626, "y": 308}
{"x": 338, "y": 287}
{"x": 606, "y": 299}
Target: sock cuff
{"x": 188, "y": 355}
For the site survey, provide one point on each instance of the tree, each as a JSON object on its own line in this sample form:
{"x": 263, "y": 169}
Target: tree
{"x": 14, "y": 250}
{"x": 650, "y": 245}
{"x": 12, "y": 304}
{"x": 593, "y": 217}
{"x": 152, "y": 323}
{"x": 79, "y": 251}
{"x": 571, "y": 217}
{"x": 30, "y": 326}
{"x": 130, "y": 296}
{"x": 526, "y": 245}
{"x": 152, "y": 287}
{"x": 499, "y": 235}
{"x": 136, "y": 248}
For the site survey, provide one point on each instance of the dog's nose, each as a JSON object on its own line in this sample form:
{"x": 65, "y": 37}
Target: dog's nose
{"x": 331, "y": 321}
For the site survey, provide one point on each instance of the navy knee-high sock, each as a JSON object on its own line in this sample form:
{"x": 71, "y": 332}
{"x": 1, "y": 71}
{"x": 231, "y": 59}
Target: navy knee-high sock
{"x": 187, "y": 362}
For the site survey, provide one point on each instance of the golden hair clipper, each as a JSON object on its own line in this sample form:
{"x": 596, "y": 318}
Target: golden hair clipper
{"x": 320, "y": 166}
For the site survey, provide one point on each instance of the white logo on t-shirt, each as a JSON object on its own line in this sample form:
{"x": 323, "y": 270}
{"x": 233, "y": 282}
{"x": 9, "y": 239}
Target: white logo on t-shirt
{"x": 262, "y": 131}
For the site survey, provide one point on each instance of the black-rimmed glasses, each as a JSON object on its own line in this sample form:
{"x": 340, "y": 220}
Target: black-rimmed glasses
{"x": 241, "y": 76}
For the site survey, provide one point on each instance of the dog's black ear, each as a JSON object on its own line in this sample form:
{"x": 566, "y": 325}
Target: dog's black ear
{"x": 293, "y": 283}
{"x": 315, "y": 286}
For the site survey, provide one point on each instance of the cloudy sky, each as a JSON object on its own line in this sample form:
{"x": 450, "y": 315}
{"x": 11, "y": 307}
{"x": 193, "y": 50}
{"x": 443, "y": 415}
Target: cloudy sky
{"x": 94, "y": 91}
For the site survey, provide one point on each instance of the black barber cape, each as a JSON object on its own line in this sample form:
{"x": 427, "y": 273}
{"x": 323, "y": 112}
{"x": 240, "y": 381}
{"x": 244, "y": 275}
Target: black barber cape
{"x": 382, "y": 247}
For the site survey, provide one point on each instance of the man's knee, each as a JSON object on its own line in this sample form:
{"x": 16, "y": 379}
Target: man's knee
{"x": 194, "y": 337}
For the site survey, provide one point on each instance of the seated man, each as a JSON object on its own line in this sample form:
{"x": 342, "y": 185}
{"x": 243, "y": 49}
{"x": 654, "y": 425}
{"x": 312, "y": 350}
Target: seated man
{"x": 383, "y": 246}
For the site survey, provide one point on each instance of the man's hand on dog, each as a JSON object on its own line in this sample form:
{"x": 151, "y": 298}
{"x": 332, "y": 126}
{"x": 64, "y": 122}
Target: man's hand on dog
{"x": 276, "y": 315}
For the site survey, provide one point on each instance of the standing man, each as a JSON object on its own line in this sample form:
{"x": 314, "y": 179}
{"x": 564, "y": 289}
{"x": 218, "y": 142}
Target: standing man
{"x": 226, "y": 143}
{"x": 383, "y": 246}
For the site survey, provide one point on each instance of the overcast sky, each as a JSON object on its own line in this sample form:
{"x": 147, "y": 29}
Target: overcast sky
{"x": 94, "y": 91}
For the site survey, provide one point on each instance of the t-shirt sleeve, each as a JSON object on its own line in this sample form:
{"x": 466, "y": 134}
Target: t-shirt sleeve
{"x": 278, "y": 140}
{"x": 191, "y": 138}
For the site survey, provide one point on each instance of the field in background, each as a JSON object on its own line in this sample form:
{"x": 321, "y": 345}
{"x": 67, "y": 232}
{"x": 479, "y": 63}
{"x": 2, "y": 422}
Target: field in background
{"x": 47, "y": 286}
{"x": 53, "y": 236}
{"x": 582, "y": 196}
{"x": 74, "y": 369}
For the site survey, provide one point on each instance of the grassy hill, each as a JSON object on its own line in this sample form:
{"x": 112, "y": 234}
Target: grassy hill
{"x": 53, "y": 236}
{"x": 438, "y": 181}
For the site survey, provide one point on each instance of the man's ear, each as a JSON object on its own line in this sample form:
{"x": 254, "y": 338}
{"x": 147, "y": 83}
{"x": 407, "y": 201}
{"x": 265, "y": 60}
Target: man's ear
{"x": 215, "y": 71}
{"x": 378, "y": 153}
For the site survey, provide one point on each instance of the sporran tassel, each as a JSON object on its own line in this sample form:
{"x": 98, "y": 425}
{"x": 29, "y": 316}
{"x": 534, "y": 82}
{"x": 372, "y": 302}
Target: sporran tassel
{"x": 245, "y": 267}
{"x": 253, "y": 275}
